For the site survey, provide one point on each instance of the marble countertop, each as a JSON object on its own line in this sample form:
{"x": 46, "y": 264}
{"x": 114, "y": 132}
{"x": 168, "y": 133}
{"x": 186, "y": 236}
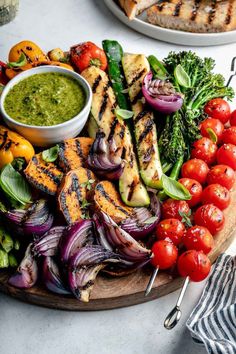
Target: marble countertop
{"x": 27, "y": 329}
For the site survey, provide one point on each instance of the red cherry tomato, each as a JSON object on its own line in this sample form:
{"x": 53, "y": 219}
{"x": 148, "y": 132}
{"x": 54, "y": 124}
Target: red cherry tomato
{"x": 212, "y": 124}
{"x": 227, "y": 155}
{"x": 194, "y": 188}
{"x": 171, "y": 208}
{"x": 198, "y": 238}
{"x": 195, "y": 169}
{"x": 217, "y": 195}
{"x": 229, "y": 136}
{"x": 211, "y": 217}
{"x": 219, "y": 109}
{"x": 233, "y": 119}
{"x": 165, "y": 254}
{"x": 194, "y": 264}
{"x": 205, "y": 150}
{"x": 170, "y": 230}
{"x": 223, "y": 175}
{"x": 88, "y": 54}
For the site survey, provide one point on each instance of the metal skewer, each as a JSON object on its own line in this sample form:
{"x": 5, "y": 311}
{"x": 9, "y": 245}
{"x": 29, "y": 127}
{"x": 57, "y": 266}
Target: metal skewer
{"x": 151, "y": 281}
{"x": 175, "y": 314}
{"x": 233, "y": 71}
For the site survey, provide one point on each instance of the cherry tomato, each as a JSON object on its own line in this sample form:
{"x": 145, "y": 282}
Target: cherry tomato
{"x": 88, "y": 54}
{"x": 170, "y": 229}
{"x": 198, "y": 238}
{"x": 211, "y": 217}
{"x": 217, "y": 195}
{"x": 233, "y": 119}
{"x": 195, "y": 169}
{"x": 205, "y": 150}
{"x": 229, "y": 136}
{"x": 194, "y": 264}
{"x": 171, "y": 208}
{"x": 223, "y": 175}
{"x": 219, "y": 109}
{"x": 212, "y": 124}
{"x": 165, "y": 254}
{"x": 194, "y": 188}
{"x": 227, "y": 155}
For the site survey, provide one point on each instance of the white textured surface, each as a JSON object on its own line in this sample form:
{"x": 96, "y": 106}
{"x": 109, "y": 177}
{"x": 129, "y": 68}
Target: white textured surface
{"x": 27, "y": 329}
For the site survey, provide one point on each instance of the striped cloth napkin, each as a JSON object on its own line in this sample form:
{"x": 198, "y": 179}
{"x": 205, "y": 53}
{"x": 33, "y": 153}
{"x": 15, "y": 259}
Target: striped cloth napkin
{"x": 213, "y": 321}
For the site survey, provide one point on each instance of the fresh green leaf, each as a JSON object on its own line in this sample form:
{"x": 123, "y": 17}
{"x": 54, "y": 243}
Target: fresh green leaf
{"x": 51, "y": 154}
{"x": 151, "y": 220}
{"x": 12, "y": 260}
{"x": 20, "y": 62}
{"x": 15, "y": 185}
{"x": 19, "y": 163}
{"x": 182, "y": 77}
{"x": 186, "y": 218}
{"x": 88, "y": 184}
{"x": 212, "y": 135}
{"x": 4, "y": 263}
{"x": 123, "y": 113}
{"x": 157, "y": 67}
{"x": 174, "y": 189}
{"x": 6, "y": 240}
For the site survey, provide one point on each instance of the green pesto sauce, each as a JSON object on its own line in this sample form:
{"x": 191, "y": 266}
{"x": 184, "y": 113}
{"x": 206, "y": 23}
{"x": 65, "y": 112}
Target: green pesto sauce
{"x": 45, "y": 99}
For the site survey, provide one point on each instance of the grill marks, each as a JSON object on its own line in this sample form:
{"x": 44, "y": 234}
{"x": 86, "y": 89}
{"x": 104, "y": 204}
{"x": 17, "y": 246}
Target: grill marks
{"x": 101, "y": 190}
{"x": 137, "y": 76}
{"x": 177, "y": 8}
{"x": 212, "y": 12}
{"x": 104, "y": 101}
{"x": 96, "y": 83}
{"x": 42, "y": 175}
{"x": 229, "y": 13}
{"x": 195, "y": 9}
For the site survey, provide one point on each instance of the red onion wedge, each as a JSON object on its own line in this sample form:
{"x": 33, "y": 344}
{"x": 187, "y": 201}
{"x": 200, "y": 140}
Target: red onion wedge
{"x": 161, "y": 95}
{"x": 123, "y": 243}
{"x": 36, "y": 219}
{"x": 84, "y": 267}
{"x": 143, "y": 220}
{"x": 76, "y": 236}
{"x": 103, "y": 158}
{"x": 52, "y": 278}
{"x": 27, "y": 273}
{"x": 47, "y": 245}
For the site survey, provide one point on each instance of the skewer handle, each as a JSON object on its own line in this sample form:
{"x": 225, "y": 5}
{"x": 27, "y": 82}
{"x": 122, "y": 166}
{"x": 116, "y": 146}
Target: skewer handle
{"x": 175, "y": 314}
{"x": 151, "y": 281}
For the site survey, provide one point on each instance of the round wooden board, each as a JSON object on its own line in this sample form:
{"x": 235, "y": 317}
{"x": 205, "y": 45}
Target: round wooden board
{"x": 109, "y": 293}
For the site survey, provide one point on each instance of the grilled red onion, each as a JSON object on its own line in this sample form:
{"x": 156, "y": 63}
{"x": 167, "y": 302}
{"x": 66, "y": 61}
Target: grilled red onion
{"x": 161, "y": 95}
{"x": 77, "y": 236}
{"x": 52, "y": 278}
{"x": 84, "y": 267}
{"x": 101, "y": 234}
{"x": 104, "y": 159}
{"x": 47, "y": 245}
{"x": 143, "y": 220}
{"x": 123, "y": 243}
{"x": 36, "y": 219}
{"x": 27, "y": 273}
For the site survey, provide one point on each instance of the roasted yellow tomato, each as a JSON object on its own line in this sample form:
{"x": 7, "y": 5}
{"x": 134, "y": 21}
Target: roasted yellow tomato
{"x": 31, "y": 50}
{"x": 13, "y": 145}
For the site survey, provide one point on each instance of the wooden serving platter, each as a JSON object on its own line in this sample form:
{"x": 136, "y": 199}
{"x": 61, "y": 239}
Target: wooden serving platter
{"x": 110, "y": 292}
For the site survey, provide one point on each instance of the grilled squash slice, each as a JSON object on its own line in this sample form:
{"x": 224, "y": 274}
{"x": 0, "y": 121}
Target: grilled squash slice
{"x": 42, "y": 175}
{"x": 74, "y": 192}
{"x": 132, "y": 190}
{"x": 135, "y": 68}
{"x": 73, "y": 153}
{"x": 107, "y": 199}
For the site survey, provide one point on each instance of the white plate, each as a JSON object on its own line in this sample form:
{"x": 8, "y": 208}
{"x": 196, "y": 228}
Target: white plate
{"x": 172, "y": 36}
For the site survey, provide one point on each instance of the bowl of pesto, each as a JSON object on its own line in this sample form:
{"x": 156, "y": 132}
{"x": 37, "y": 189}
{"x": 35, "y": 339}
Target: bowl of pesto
{"x": 46, "y": 104}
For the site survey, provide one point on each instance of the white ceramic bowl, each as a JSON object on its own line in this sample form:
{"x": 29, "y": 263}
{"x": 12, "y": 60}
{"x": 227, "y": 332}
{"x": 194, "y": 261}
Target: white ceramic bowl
{"x": 48, "y": 135}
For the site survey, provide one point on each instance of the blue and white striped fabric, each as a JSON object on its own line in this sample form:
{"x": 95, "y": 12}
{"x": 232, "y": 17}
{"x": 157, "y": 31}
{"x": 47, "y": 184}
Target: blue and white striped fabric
{"x": 213, "y": 321}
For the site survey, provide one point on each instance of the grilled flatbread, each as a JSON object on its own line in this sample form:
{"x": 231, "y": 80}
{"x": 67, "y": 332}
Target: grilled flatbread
{"x": 194, "y": 15}
{"x": 133, "y": 8}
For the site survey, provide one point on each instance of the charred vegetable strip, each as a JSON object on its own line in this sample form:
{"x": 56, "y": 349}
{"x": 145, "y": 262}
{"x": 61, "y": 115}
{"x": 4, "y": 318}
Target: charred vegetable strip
{"x": 44, "y": 176}
{"x": 136, "y": 67}
{"x": 114, "y": 54}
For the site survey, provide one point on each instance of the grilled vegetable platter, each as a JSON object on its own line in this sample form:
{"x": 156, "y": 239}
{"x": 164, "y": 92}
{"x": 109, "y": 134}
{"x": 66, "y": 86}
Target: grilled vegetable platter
{"x": 144, "y": 186}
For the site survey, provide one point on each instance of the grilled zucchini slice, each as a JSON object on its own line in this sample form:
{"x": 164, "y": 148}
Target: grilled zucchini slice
{"x": 135, "y": 68}
{"x": 132, "y": 190}
{"x": 42, "y": 175}
{"x": 73, "y": 153}
{"x": 74, "y": 193}
{"x": 107, "y": 199}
